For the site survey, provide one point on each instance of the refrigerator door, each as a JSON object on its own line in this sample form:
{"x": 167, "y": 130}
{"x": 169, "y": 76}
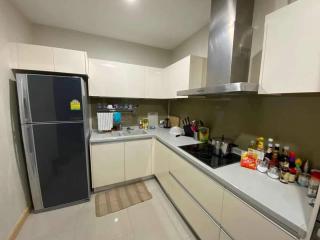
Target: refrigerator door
{"x": 49, "y": 98}
{"x": 61, "y": 162}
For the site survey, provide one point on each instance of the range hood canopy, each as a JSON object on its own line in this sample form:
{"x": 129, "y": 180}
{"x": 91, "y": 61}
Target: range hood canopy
{"x": 229, "y": 49}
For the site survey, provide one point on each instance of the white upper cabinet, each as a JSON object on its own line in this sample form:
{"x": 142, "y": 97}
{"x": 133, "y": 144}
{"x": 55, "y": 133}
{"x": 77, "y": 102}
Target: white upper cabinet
{"x": 155, "y": 87}
{"x": 105, "y": 78}
{"x": 134, "y": 81}
{"x": 115, "y": 79}
{"x": 35, "y": 57}
{"x": 69, "y": 61}
{"x": 187, "y": 73}
{"x": 291, "y": 50}
{"x": 49, "y": 59}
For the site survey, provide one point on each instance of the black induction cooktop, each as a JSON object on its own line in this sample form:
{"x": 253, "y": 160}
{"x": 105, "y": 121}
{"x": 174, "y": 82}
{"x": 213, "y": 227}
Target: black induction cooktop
{"x": 206, "y": 153}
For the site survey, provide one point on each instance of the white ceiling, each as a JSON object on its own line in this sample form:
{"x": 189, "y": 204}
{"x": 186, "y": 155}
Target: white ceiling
{"x": 158, "y": 23}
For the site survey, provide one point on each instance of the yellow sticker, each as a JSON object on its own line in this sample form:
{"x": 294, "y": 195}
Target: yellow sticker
{"x": 75, "y": 105}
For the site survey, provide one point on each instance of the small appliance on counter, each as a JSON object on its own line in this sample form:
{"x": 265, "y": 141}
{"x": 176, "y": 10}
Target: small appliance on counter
{"x": 153, "y": 120}
{"x": 176, "y": 131}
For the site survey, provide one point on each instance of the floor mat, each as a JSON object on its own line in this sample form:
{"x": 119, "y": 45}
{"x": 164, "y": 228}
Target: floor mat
{"x": 118, "y": 198}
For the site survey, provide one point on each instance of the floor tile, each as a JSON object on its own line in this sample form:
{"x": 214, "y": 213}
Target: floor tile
{"x": 154, "y": 219}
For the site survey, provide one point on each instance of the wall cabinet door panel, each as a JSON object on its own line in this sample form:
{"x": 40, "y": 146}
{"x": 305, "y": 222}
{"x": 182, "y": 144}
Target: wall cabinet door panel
{"x": 207, "y": 192}
{"x": 35, "y": 57}
{"x": 106, "y": 78}
{"x": 69, "y": 61}
{"x": 107, "y": 164}
{"x": 201, "y": 223}
{"x": 161, "y": 159}
{"x": 237, "y": 216}
{"x": 138, "y": 159}
{"x": 154, "y": 83}
{"x": 291, "y": 49}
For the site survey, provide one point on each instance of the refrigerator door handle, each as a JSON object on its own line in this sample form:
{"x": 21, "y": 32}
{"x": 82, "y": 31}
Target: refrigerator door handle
{"x": 24, "y": 104}
{"x": 31, "y": 149}
{"x": 31, "y": 160}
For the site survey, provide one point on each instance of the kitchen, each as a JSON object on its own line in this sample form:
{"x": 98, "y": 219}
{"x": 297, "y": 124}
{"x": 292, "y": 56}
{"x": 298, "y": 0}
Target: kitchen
{"x": 147, "y": 76}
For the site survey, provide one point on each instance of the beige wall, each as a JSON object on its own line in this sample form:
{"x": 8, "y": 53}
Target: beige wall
{"x": 196, "y": 45}
{"x": 292, "y": 120}
{"x": 101, "y": 47}
{"x": 14, "y": 194}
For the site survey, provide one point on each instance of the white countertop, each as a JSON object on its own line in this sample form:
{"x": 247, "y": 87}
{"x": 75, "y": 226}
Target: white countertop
{"x": 286, "y": 204}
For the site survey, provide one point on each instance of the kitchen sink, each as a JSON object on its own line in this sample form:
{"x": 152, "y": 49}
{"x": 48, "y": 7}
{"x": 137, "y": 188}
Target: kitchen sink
{"x": 130, "y": 132}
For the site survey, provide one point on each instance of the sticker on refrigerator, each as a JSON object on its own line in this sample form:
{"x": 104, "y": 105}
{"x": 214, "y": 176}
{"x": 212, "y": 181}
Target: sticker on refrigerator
{"x": 75, "y": 105}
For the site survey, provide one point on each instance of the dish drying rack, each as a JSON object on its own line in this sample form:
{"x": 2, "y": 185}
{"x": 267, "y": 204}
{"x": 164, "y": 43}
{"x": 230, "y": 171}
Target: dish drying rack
{"x": 105, "y": 115}
{"x": 116, "y": 107}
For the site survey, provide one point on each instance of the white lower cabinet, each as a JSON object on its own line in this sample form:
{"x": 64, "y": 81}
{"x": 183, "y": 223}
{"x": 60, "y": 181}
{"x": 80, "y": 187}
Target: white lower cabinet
{"x": 206, "y": 191}
{"x": 120, "y": 161}
{"x": 161, "y": 159}
{"x": 198, "y": 219}
{"x": 107, "y": 164}
{"x": 138, "y": 159}
{"x": 243, "y": 222}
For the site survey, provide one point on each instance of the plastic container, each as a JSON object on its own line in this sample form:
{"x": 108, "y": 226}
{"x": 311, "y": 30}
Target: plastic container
{"x": 314, "y": 183}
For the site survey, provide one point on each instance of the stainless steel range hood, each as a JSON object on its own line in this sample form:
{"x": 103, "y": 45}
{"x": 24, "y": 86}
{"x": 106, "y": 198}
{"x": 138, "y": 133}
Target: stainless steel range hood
{"x": 229, "y": 50}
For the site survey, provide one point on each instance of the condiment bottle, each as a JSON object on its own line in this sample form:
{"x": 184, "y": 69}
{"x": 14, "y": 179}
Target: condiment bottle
{"x": 269, "y": 151}
{"x": 284, "y": 171}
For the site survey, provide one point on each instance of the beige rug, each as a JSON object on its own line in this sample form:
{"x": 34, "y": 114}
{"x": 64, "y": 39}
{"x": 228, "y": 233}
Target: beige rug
{"x": 118, "y": 198}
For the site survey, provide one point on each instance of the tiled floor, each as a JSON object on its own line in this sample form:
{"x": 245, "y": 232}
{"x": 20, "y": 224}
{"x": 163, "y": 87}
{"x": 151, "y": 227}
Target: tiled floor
{"x": 155, "y": 219}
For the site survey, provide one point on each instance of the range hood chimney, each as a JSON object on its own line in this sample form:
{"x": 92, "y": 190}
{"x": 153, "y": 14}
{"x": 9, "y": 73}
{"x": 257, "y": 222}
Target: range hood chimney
{"x": 229, "y": 50}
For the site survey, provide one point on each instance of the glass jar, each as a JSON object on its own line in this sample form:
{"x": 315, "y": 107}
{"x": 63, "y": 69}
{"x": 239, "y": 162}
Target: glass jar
{"x": 314, "y": 183}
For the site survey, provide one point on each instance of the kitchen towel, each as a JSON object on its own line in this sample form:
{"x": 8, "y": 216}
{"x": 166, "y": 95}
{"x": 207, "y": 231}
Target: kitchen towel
{"x": 118, "y": 198}
{"x": 105, "y": 121}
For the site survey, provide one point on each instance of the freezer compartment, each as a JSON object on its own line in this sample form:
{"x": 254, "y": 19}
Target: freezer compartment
{"x": 60, "y": 162}
{"x": 49, "y": 98}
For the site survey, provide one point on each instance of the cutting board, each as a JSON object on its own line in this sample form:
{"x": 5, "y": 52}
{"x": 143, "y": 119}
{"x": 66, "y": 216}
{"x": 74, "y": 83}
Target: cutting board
{"x": 174, "y": 121}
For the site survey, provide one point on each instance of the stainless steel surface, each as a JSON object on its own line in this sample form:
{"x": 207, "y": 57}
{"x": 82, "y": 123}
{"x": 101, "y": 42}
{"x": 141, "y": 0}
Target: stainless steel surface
{"x": 133, "y": 132}
{"x": 24, "y": 103}
{"x": 229, "y": 48}
{"x": 86, "y": 117}
{"x": 240, "y": 87}
{"x": 31, "y": 162}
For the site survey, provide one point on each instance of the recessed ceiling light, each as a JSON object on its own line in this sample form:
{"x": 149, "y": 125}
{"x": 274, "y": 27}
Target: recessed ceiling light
{"x": 131, "y": 1}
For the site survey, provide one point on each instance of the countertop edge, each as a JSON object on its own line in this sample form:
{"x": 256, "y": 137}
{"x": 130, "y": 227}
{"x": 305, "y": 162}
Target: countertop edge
{"x": 286, "y": 225}
{"x": 274, "y": 217}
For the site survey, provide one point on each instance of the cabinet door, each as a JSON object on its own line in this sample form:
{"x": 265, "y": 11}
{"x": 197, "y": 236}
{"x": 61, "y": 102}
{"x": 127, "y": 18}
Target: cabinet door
{"x": 179, "y": 76}
{"x": 138, "y": 159}
{"x": 201, "y": 223}
{"x": 134, "y": 81}
{"x": 107, "y": 164}
{"x": 35, "y": 57}
{"x": 154, "y": 83}
{"x": 206, "y": 191}
{"x": 291, "y": 50}
{"x": 69, "y": 61}
{"x": 237, "y": 216}
{"x": 106, "y": 78}
{"x": 224, "y": 236}
{"x": 161, "y": 159}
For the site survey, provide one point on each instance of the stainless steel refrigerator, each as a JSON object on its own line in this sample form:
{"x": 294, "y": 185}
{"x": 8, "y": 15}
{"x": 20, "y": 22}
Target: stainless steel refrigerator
{"x": 55, "y": 135}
